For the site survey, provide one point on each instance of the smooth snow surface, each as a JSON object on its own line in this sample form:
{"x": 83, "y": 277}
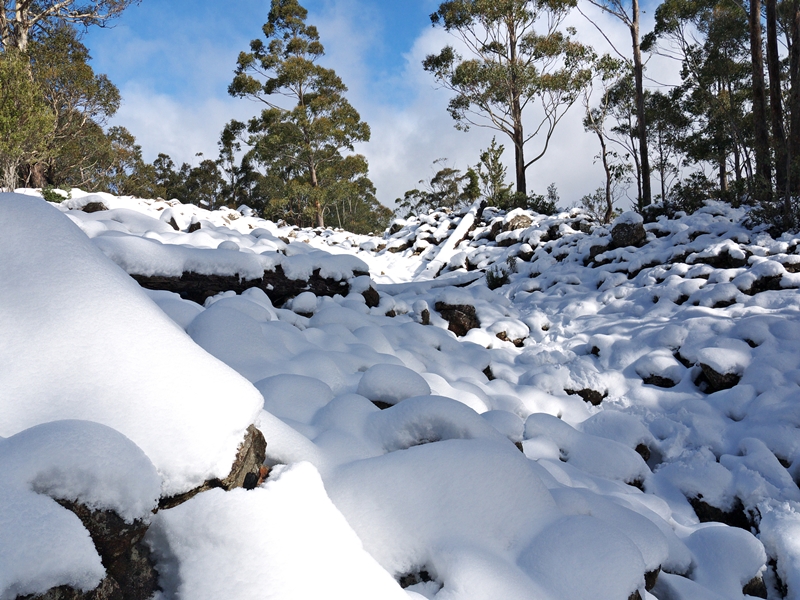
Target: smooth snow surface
{"x": 82, "y": 341}
{"x": 562, "y": 448}
{"x": 284, "y": 540}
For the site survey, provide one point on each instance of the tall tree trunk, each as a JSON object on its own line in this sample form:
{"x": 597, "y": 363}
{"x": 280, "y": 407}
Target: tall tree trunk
{"x": 516, "y": 115}
{"x": 318, "y": 209}
{"x": 609, "y": 177}
{"x": 723, "y": 170}
{"x": 638, "y": 74}
{"x": 519, "y": 159}
{"x": 21, "y": 27}
{"x": 794, "y": 100}
{"x": 762, "y": 185}
{"x": 775, "y": 100}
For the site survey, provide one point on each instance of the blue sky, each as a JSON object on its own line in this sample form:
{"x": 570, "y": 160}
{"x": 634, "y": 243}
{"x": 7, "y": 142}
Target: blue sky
{"x": 173, "y": 61}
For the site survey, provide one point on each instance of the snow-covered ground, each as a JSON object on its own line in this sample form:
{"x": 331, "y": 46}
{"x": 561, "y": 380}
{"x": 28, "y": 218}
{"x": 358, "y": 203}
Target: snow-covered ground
{"x": 596, "y": 400}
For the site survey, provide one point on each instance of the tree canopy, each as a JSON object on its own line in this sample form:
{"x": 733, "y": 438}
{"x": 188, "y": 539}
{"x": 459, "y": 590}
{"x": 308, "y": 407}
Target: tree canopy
{"x": 518, "y": 55}
{"x": 307, "y": 124}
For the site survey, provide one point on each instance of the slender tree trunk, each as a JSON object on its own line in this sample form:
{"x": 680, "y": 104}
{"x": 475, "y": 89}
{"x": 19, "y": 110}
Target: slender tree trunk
{"x": 318, "y": 210}
{"x": 794, "y": 101}
{"x": 516, "y": 115}
{"x": 637, "y": 166}
{"x": 519, "y": 159}
{"x": 638, "y": 74}
{"x": 21, "y": 27}
{"x": 775, "y": 100}
{"x": 607, "y": 169}
{"x": 722, "y": 163}
{"x": 762, "y": 186}
{"x": 9, "y": 175}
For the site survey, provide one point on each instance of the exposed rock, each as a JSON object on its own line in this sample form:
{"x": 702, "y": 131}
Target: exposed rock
{"x": 174, "y": 224}
{"x": 195, "y": 226}
{"x": 400, "y": 247}
{"x": 371, "y": 297}
{"x": 131, "y": 571}
{"x": 644, "y": 452}
{"x": 735, "y": 517}
{"x": 525, "y": 255}
{"x": 755, "y": 587}
{"x": 488, "y": 372}
{"x": 651, "y": 578}
{"x": 519, "y": 342}
{"x": 425, "y": 317}
{"x": 107, "y": 590}
{"x": 595, "y": 251}
{"x": 406, "y": 580}
{"x": 249, "y": 459}
{"x": 723, "y": 260}
{"x": 461, "y": 317}
{"x": 713, "y": 381}
{"x": 94, "y": 207}
{"x": 518, "y": 222}
{"x": 279, "y": 288}
{"x": 658, "y": 381}
{"x": 591, "y": 396}
{"x": 628, "y": 234}
{"x": 765, "y": 284}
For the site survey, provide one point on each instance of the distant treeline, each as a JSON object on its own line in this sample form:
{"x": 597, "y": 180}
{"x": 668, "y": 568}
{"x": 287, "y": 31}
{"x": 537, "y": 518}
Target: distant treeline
{"x": 730, "y": 130}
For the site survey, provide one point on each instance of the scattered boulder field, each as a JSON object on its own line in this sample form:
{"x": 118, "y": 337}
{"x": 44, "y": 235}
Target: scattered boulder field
{"x": 203, "y": 404}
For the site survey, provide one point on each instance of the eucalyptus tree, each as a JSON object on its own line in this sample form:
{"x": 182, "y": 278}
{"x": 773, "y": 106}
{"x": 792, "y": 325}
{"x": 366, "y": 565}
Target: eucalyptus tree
{"x": 25, "y": 117}
{"x": 307, "y": 123}
{"x": 517, "y": 56}
{"x": 82, "y": 102}
{"x": 598, "y": 120}
{"x": 630, "y": 17}
{"x": 22, "y": 20}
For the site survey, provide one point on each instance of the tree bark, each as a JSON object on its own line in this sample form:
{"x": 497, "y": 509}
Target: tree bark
{"x": 762, "y": 185}
{"x": 516, "y": 115}
{"x": 794, "y": 100}
{"x": 638, "y": 73}
{"x": 519, "y": 159}
{"x": 607, "y": 169}
{"x": 775, "y": 100}
{"x": 319, "y": 216}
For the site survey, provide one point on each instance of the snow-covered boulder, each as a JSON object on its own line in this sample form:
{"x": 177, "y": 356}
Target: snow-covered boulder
{"x": 81, "y": 340}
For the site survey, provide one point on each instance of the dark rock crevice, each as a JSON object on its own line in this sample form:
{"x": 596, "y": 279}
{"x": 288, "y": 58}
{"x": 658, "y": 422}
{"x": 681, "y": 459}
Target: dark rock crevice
{"x": 198, "y": 287}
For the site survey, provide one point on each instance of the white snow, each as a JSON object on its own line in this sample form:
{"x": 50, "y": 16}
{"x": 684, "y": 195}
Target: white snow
{"x": 43, "y": 545}
{"x": 434, "y": 490}
{"x": 285, "y": 540}
{"x": 81, "y": 340}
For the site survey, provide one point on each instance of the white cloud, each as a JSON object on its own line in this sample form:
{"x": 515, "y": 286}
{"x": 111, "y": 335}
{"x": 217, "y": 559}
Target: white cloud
{"x": 407, "y": 114}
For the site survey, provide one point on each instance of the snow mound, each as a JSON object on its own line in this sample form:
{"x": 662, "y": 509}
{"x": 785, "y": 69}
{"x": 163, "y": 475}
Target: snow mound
{"x": 43, "y": 545}
{"x": 81, "y": 340}
{"x": 284, "y": 540}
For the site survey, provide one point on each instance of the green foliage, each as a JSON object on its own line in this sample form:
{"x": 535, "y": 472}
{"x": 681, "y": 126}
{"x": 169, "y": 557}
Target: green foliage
{"x": 301, "y": 146}
{"x": 499, "y": 274}
{"x": 595, "y": 204}
{"x": 26, "y": 120}
{"x": 82, "y": 102}
{"x": 449, "y": 188}
{"x": 492, "y": 174}
{"x": 56, "y": 195}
